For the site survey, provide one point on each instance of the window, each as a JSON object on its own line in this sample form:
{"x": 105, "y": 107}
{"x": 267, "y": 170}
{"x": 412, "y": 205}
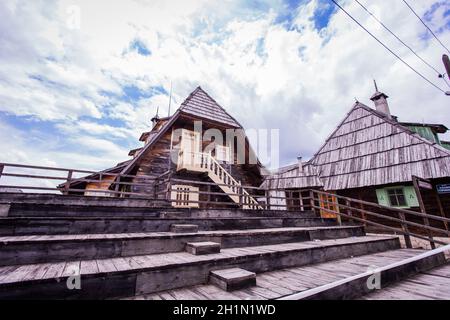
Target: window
{"x": 400, "y": 197}
{"x": 397, "y": 197}
{"x": 222, "y": 153}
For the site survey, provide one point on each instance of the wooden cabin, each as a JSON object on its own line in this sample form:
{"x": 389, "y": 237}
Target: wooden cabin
{"x": 373, "y": 157}
{"x": 201, "y": 148}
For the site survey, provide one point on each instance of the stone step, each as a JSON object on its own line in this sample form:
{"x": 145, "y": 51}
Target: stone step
{"x": 184, "y": 228}
{"x": 232, "y": 279}
{"x": 85, "y": 225}
{"x": 202, "y": 248}
{"x": 124, "y": 277}
{"x": 280, "y": 284}
{"x": 55, "y": 248}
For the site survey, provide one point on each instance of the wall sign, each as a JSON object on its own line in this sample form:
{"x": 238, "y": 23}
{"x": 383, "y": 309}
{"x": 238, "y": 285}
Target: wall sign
{"x": 443, "y": 188}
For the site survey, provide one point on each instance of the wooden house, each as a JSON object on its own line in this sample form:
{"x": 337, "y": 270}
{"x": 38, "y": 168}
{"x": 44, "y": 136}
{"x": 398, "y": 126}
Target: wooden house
{"x": 201, "y": 148}
{"x": 373, "y": 157}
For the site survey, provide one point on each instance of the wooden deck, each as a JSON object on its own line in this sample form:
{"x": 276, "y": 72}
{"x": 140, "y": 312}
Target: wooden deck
{"x": 430, "y": 285}
{"x": 277, "y": 284}
{"x": 33, "y": 272}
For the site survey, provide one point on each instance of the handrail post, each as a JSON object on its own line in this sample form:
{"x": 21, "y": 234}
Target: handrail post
{"x": 117, "y": 187}
{"x": 405, "y": 230}
{"x": 338, "y": 215}
{"x": 67, "y": 185}
{"x": 1, "y": 170}
{"x": 422, "y": 209}
{"x": 267, "y": 200}
{"x": 241, "y": 194}
{"x": 169, "y": 191}
{"x": 312, "y": 201}
{"x": 349, "y": 211}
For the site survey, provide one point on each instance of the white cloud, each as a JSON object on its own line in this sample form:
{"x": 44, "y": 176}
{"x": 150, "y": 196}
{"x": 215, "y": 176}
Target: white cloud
{"x": 265, "y": 74}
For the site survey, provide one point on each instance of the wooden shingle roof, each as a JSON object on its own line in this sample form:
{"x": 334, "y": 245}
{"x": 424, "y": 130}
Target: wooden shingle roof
{"x": 201, "y": 105}
{"x": 369, "y": 148}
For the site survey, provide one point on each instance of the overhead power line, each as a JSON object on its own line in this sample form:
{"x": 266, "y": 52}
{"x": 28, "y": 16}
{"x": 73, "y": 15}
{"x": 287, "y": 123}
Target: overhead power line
{"x": 398, "y": 38}
{"x": 386, "y": 47}
{"x": 423, "y": 22}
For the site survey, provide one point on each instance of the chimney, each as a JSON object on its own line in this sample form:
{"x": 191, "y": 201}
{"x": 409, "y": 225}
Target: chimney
{"x": 380, "y": 100}
{"x": 300, "y": 165}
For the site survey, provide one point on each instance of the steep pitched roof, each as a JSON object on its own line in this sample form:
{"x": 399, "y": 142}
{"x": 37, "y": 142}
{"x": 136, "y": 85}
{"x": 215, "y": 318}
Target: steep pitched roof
{"x": 200, "y": 104}
{"x": 368, "y": 148}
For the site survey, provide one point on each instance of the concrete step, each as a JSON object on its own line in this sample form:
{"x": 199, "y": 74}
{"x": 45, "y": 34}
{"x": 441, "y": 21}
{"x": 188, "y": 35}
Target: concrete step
{"x": 232, "y": 279}
{"x": 122, "y": 277}
{"x": 54, "y": 248}
{"x": 84, "y": 225}
{"x": 202, "y": 248}
{"x": 280, "y": 284}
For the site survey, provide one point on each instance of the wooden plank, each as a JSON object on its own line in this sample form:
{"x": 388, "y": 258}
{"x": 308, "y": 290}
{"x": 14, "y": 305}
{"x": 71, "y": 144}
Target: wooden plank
{"x": 106, "y": 265}
{"x": 88, "y": 267}
{"x": 55, "y": 270}
{"x": 39, "y": 272}
{"x": 19, "y": 274}
{"x": 275, "y": 287}
{"x": 121, "y": 264}
{"x": 71, "y": 268}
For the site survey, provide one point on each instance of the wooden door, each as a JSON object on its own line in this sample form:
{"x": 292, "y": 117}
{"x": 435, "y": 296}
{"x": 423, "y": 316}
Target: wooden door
{"x": 190, "y": 145}
{"x": 328, "y": 202}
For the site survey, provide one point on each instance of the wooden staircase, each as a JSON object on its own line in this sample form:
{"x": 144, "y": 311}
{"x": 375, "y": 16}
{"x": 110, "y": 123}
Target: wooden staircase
{"x": 203, "y": 162}
{"x": 119, "y": 251}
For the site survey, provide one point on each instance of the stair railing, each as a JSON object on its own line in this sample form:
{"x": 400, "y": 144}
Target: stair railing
{"x": 205, "y": 162}
{"x": 357, "y": 210}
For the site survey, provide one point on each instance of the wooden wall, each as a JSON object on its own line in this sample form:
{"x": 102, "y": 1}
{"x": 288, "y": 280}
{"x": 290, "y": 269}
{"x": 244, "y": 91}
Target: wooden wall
{"x": 157, "y": 162}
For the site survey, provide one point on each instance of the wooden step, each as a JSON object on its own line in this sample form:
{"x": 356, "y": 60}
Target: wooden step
{"x": 86, "y": 225}
{"x": 202, "y": 248}
{"x": 433, "y": 284}
{"x": 281, "y": 283}
{"x": 358, "y": 285}
{"x": 232, "y": 279}
{"x": 122, "y": 277}
{"x": 54, "y": 248}
{"x": 184, "y": 228}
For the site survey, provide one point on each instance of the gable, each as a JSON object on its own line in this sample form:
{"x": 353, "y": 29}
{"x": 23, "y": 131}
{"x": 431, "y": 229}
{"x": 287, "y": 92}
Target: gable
{"x": 369, "y": 149}
{"x": 200, "y": 104}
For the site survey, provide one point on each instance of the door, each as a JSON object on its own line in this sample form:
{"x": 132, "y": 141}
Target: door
{"x": 190, "y": 146}
{"x": 328, "y": 202}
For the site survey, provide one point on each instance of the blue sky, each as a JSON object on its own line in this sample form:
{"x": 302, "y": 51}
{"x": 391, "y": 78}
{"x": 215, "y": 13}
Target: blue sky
{"x": 80, "y": 95}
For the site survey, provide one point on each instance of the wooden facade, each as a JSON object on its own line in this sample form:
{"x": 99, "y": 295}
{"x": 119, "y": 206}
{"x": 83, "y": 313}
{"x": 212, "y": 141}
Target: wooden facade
{"x": 370, "y": 154}
{"x": 163, "y": 145}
